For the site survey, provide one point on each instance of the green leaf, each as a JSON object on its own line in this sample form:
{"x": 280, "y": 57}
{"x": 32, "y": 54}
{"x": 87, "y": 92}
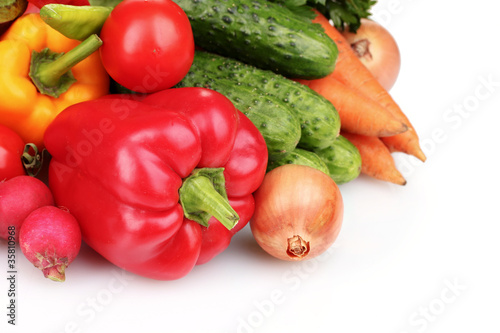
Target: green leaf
{"x": 349, "y": 12}
{"x": 299, "y": 7}
{"x": 343, "y": 13}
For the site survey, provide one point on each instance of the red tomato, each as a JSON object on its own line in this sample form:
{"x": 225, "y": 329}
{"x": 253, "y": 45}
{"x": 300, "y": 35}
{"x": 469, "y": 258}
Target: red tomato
{"x": 11, "y": 150}
{"x": 147, "y": 45}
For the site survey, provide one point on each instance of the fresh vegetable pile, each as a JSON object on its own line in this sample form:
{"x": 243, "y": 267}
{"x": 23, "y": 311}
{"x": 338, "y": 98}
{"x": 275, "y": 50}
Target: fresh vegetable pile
{"x": 154, "y": 131}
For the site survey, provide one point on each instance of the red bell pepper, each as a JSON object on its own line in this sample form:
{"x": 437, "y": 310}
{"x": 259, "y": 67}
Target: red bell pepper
{"x": 155, "y": 184}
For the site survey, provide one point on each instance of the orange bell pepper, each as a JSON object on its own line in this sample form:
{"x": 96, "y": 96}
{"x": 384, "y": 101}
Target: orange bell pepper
{"x": 24, "y": 106}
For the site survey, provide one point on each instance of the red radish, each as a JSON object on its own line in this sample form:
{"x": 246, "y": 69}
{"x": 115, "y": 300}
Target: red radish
{"x": 378, "y": 51}
{"x": 19, "y": 196}
{"x": 50, "y": 238}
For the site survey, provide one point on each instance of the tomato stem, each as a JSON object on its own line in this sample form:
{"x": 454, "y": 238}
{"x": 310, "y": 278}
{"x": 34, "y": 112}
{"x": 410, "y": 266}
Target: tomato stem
{"x": 203, "y": 195}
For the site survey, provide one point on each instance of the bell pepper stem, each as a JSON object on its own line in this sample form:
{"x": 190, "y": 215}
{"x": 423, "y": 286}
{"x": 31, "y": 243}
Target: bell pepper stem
{"x": 203, "y": 195}
{"x": 75, "y": 22}
{"x": 51, "y": 72}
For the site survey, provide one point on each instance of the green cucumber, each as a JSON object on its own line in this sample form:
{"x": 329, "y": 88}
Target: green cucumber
{"x": 342, "y": 159}
{"x": 301, "y": 157}
{"x": 279, "y": 127}
{"x": 265, "y": 34}
{"x": 319, "y": 120}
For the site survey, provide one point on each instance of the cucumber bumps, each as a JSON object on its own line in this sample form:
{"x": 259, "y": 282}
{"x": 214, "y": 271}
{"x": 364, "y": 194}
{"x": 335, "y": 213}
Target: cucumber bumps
{"x": 341, "y": 160}
{"x": 254, "y": 91}
{"x": 264, "y": 34}
{"x": 278, "y": 126}
{"x": 319, "y": 120}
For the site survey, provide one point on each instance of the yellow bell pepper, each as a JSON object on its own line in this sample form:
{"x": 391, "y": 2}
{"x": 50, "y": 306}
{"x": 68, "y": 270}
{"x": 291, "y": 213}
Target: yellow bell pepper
{"x": 24, "y": 106}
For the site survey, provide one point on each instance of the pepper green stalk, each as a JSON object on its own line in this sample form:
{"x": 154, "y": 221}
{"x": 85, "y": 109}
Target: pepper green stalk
{"x": 75, "y": 22}
{"x": 51, "y": 71}
{"x": 203, "y": 195}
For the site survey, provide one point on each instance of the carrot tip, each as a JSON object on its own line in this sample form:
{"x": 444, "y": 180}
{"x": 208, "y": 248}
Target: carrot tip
{"x": 397, "y": 178}
{"x": 418, "y": 153}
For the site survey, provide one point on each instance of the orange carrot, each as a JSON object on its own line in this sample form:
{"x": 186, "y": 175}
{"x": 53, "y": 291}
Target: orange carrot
{"x": 350, "y": 71}
{"x": 358, "y": 113}
{"x": 376, "y": 159}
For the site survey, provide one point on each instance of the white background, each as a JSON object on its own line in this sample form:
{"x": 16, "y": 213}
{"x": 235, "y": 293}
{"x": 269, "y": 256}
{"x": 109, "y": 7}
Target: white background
{"x": 418, "y": 258}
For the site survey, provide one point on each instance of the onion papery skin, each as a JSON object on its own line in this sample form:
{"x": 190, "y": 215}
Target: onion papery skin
{"x": 298, "y": 213}
{"x": 378, "y": 50}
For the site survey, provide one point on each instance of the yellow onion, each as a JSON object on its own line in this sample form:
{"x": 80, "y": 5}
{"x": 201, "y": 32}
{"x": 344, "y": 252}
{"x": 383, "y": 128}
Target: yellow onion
{"x": 378, "y": 51}
{"x": 298, "y": 212}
